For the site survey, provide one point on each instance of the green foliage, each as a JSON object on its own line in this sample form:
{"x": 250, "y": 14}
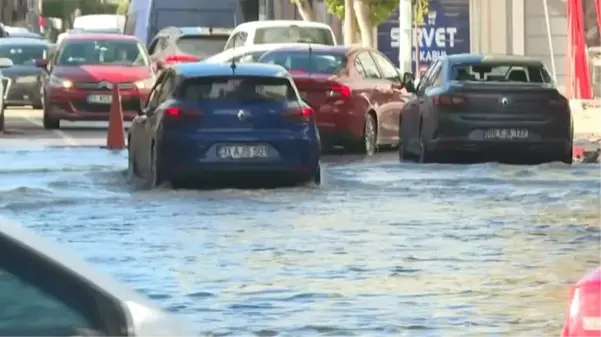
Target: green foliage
{"x": 380, "y": 9}
{"x": 122, "y": 7}
{"x": 65, "y": 8}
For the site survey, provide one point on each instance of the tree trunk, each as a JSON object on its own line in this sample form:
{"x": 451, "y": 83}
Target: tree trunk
{"x": 364, "y": 21}
{"x": 349, "y": 24}
{"x": 305, "y": 9}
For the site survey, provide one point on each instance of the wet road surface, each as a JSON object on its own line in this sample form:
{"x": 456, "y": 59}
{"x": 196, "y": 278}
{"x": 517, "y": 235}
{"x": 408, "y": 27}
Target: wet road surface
{"x": 381, "y": 249}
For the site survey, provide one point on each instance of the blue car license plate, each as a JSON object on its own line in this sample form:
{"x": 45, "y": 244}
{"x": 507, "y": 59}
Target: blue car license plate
{"x": 242, "y": 151}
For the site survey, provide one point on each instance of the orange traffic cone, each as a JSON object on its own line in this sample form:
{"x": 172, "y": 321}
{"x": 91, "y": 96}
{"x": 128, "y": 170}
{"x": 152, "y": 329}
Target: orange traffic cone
{"x": 115, "y": 137}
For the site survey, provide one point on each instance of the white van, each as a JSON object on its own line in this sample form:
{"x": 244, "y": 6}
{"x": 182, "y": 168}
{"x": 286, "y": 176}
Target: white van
{"x": 99, "y": 21}
{"x": 281, "y": 31}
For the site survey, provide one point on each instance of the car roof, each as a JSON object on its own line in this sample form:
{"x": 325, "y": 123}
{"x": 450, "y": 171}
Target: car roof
{"x": 314, "y": 48}
{"x": 24, "y": 40}
{"x": 41, "y": 247}
{"x": 194, "y": 31}
{"x": 100, "y": 36}
{"x": 491, "y": 58}
{"x": 280, "y": 23}
{"x": 19, "y": 34}
{"x": 199, "y": 69}
{"x": 252, "y": 48}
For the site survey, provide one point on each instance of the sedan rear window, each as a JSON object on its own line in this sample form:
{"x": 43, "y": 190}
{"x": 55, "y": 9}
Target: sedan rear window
{"x": 24, "y": 54}
{"x": 500, "y": 72}
{"x": 238, "y": 88}
{"x": 306, "y": 62}
{"x": 294, "y": 34}
{"x": 202, "y": 46}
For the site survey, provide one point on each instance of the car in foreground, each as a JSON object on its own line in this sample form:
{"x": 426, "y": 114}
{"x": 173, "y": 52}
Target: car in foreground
{"x": 248, "y": 54}
{"x": 215, "y": 122}
{"x": 174, "y": 45}
{"x": 584, "y": 311}
{"x": 81, "y": 75}
{"x": 24, "y": 75}
{"x": 280, "y": 31}
{"x": 356, "y": 92}
{"x": 475, "y": 108}
{"x": 48, "y": 292}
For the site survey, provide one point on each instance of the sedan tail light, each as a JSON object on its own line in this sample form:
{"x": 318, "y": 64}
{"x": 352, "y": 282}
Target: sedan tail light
{"x": 177, "y": 58}
{"x": 450, "y": 101}
{"x": 301, "y": 115}
{"x": 178, "y": 112}
{"x": 560, "y": 103}
{"x": 340, "y": 91}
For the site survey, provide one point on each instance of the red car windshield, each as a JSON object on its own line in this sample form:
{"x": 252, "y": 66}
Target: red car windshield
{"x": 303, "y": 62}
{"x": 103, "y": 52}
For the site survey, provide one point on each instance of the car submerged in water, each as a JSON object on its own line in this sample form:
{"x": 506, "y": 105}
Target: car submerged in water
{"x": 471, "y": 107}
{"x": 208, "y": 122}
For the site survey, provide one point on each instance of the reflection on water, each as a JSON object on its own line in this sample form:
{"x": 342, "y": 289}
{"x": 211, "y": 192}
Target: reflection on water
{"x": 381, "y": 249}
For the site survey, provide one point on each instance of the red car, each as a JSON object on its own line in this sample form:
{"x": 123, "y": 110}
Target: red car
{"x": 81, "y": 74}
{"x": 584, "y": 314}
{"x": 356, "y": 93}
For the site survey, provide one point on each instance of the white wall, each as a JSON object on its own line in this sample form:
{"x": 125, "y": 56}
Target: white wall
{"x": 536, "y": 38}
{"x": 518, "y": 27}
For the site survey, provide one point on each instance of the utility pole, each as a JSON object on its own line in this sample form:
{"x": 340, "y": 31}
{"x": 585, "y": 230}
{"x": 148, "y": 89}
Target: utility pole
{"x": 405, "y": 35}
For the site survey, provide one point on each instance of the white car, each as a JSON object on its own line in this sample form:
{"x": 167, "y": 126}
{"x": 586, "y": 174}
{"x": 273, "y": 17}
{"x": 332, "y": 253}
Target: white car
{"x": 246, "y": 54}
{"x": 280, "y": 31}
{"x": 49, "y": 292}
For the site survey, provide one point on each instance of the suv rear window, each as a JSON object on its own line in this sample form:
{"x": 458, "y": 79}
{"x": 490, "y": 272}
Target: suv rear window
{"x": 500, "y": 72}
{"x": 294, "y": 34}
{"x": 238, "y": 88}
{"x": 201, "y": 46}
{"x": 321, "y": 63}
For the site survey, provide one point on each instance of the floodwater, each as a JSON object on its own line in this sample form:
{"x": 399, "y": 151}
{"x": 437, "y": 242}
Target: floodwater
{"x": 380, "y": 249}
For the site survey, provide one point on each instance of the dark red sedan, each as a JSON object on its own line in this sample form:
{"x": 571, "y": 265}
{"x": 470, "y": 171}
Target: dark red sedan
{"x": 356, "y": 93}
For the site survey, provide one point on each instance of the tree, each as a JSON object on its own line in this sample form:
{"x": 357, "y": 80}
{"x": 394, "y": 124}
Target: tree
{"x": 305, "y": 9}
{"x": 123, "y": 7}
{"x": 369, "y": 14}
{"x": 337, "y": 7}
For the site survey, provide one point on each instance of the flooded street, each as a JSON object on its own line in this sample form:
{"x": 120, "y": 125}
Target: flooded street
{"x": 380, "y": 249}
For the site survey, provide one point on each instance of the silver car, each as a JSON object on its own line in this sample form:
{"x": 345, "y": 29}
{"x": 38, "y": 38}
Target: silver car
{"x": 46, "y": 292}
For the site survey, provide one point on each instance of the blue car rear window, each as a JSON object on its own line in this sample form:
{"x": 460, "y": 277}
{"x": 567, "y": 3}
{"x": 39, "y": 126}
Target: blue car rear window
{"x": 238, "y": 88}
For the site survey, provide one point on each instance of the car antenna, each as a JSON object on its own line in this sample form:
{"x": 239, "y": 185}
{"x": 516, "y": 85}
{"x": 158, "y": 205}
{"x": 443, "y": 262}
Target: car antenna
{"x": 233, "y": 64}
{"x": 309, "y": 63}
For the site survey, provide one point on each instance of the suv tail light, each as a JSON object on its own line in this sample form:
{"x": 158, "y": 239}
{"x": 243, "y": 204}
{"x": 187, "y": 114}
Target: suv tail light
{"x": 449, "y": 101}
{"x": 177, "y": 58}
{"x": 177, "y": 112}
{"x": 302, "y": 114}
{"x": 340, "y": 91}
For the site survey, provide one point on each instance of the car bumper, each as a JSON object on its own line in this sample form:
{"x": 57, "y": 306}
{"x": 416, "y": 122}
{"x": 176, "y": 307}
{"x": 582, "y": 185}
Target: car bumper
{"x": 73, "y": 105}
{"x": 288, "y": 156}
{"x": 22, "y": 94}
{"x": 465, "y": 145}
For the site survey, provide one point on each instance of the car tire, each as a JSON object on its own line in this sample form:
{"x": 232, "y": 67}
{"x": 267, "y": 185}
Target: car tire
{"x": 155, "y": 177}
{"x": 316, "y": 179}
{"x": 2, "y": 120}
{"x": 370, "y": 136}
{"x": 131, "y": 161}
{"x": 50, "y": 123}
{"x": 567, "y": 157}
{"x": 425, "y": 156}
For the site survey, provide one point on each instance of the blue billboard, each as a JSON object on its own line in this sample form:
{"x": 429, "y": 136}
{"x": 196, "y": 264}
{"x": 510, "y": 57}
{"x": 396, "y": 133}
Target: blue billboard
{"x": 443, "y": 28}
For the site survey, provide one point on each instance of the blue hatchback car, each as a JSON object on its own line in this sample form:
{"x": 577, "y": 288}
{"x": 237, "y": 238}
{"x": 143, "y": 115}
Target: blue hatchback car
{"x": 208, "y": 122}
